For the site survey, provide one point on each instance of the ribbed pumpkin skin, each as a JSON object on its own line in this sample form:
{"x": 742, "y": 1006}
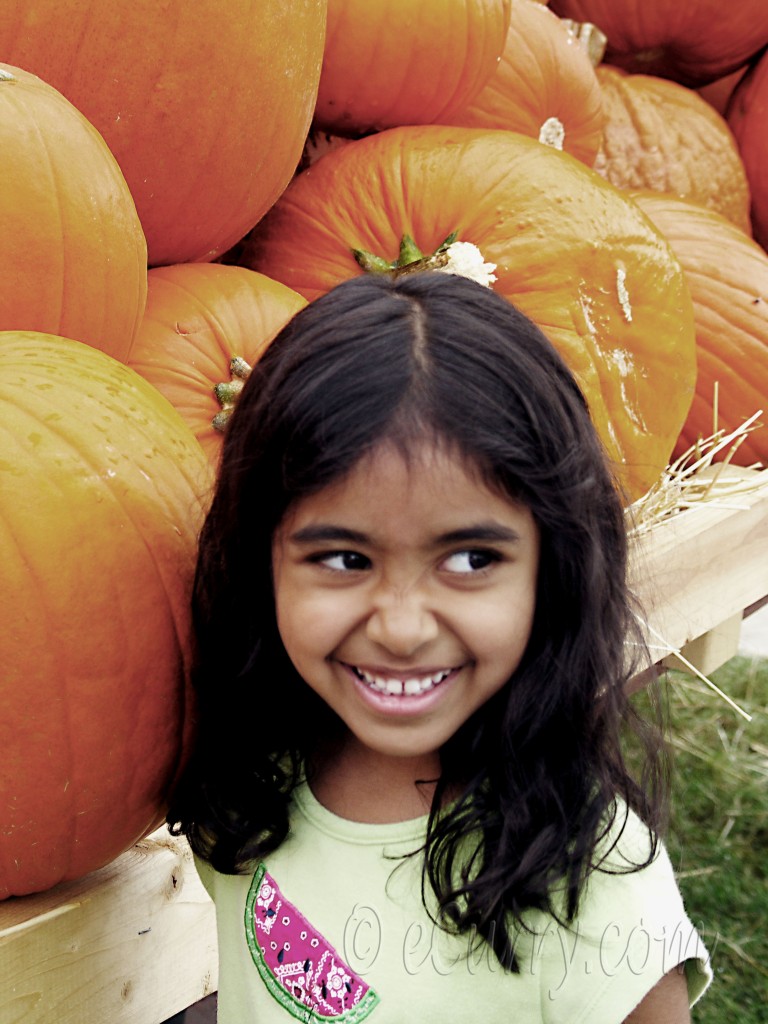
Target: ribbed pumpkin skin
{"x": 543, "y": 74}
{"x": 205, "y": 105}
{"x": 727, "y": 274}
{"x": 393, "y": 62}
{"x": 747, "y": 115}
{"x": 74, "y": 254}
{"x": 571, "y": 252}
{"x": 690, "y": 41}
{"x": 198, "y": 317}
{"x": 100, "y": 504}
{"x": 663, "y": 136}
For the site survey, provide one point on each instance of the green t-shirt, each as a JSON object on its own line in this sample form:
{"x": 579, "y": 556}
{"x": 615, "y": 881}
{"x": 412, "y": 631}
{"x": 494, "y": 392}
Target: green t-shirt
{"x": 332, "y": 926}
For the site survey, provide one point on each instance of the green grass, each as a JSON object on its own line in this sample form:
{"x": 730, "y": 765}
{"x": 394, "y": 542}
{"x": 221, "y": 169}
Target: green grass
{"x": 719, "y": 832}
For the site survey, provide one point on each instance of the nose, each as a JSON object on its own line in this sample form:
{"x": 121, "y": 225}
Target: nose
{"x": 402, "y": 623}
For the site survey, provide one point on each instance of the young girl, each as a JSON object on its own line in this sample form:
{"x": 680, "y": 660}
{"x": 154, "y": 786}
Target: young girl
{"x": 408, "y": 797}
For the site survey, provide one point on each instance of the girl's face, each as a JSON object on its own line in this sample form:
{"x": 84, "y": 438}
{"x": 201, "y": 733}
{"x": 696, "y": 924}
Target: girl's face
{"x": 405, "y": 596}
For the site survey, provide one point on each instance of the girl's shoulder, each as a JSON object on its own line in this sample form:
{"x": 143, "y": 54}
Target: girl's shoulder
{"x": 631, "y": 927}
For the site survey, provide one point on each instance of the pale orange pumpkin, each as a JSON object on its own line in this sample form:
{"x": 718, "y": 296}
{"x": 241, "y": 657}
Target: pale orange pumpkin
{"x": 663, "y": 136}
{"x": 198, "y": 317}
{"x": 74, "y": 254}
{"x": 545, "y": 86}
{"x": 103, "y": 492}
{"x": 571, "y": 251}
{"x": 393, "y": 62}
{"x": 727, "y": 275}
{"x": 205, "y": 105}
{"x": 689, "y": 41}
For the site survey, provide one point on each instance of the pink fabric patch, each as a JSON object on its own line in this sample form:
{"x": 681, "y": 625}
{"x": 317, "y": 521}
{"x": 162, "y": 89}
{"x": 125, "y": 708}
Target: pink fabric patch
{"x": 297, "y": 956}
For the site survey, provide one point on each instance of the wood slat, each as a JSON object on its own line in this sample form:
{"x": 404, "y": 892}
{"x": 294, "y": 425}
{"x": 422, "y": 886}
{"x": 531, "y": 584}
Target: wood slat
{"x": 133, "y": 943}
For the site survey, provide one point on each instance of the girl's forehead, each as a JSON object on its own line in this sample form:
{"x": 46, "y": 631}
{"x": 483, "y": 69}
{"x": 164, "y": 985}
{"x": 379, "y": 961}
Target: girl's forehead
{"x": 426, "y": 478}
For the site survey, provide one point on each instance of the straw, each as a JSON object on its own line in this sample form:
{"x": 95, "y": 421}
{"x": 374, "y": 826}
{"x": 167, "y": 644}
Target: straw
{"x": 696, "y": 480}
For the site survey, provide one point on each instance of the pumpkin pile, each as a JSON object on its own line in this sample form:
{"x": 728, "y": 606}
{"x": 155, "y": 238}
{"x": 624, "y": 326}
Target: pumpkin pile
{"x": 180, "y": 179}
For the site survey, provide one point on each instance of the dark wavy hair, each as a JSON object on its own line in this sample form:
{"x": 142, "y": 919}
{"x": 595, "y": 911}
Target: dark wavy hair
{"x": 539, "y": 767}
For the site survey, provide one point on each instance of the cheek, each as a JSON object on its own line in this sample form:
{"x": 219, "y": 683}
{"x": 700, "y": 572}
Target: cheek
{"x": 307, "y": 622}
{"x": 502, "y": 629}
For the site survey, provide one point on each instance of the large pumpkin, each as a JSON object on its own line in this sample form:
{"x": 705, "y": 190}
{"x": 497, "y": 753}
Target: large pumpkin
{"x": 205, "y": 105}
{"x": 727, "y": 274}
{"x": 663, "y": 136}
{"x": 392, "y": 62}
{"x": 690, "y": 41}
{"x": 571, "y": 251}
{"x": 747, "y": 114}
{"x": 198, "y": 317}
{"x": 545, "y": 86}
{"x": 102, "y": 490}
{"x": 74, "y": 255}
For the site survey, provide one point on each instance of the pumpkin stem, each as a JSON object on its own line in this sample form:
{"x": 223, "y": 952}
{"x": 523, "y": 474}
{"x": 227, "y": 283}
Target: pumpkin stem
{"x": 410, "y": 258}
{"x": 589, "y": 37}
{"x": 227, "y": 391}
{"x": 462, "y": 258}
{"x": 552, "y": 133}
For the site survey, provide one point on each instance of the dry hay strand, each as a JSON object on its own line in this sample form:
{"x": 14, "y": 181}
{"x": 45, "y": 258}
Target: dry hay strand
{"x": 696, "y": 480}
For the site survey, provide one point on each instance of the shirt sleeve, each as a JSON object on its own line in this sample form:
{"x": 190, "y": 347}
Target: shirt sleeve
{"x": 632, "y": 928}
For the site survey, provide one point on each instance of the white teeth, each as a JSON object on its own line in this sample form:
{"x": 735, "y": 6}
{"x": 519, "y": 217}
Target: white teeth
{"x": 411, "y": 687}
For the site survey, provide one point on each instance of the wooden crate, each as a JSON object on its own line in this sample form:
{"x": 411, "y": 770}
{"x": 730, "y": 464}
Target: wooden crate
{"x": 134, "y": 943}
{"x": 698, "y": 572}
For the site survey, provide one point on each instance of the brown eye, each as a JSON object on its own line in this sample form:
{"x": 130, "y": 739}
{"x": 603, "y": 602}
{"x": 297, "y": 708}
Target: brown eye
{"x": 343, "y": 561}
{"x": 470, "y": 561}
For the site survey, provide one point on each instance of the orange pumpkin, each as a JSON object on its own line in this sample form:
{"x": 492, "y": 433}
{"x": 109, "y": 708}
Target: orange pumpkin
{"x": 747, "y": 115}
{"x": 199, "y": 316}
{"x": 75, "y": 257}
{"x": 102, "y": 497}
{"x": 205, "y": 106}
{"x": 690, "y": 41}
{"x": 663, "y": 136}
{"x": 392, "y": 62}
{"x": 571, "y": 251}
{"x": 718, "y": 93}
{"x": 545, "y": 86}
{"x": 727, "y": 274}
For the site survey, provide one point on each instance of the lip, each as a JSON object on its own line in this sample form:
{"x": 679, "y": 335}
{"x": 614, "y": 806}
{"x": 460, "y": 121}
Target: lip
{"x": 401, "y": 704}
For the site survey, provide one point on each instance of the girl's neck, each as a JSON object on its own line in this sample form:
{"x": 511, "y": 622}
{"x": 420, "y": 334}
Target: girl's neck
{"x": 361, "y": 785}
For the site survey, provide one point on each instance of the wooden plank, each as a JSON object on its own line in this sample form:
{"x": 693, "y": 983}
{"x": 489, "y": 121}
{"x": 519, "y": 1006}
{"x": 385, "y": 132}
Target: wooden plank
{"x": 133, "y": 943}
{"x": 711, "y": 650}
{"x": 701, "y": 568}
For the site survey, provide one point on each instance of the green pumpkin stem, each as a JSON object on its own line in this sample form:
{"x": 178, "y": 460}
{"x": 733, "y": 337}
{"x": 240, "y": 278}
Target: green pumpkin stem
{"x": 371, "y": 264}
{"x": 410, "y": 258}
{"x": 227, "y": 391}
{"x": 409, "y": 252}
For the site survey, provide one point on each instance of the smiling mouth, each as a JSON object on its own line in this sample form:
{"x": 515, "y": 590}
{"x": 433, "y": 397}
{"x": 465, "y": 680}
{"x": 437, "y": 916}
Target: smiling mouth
{"x": 413, "y": 686}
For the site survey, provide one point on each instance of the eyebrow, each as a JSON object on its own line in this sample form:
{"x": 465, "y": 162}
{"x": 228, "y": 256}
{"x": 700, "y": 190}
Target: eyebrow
{"x": 322, "y": 533}
{"x": 487, "y": 532}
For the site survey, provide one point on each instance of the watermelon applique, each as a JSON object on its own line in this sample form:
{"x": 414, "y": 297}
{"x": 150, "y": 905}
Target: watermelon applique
{"x": 300, "y": 968}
